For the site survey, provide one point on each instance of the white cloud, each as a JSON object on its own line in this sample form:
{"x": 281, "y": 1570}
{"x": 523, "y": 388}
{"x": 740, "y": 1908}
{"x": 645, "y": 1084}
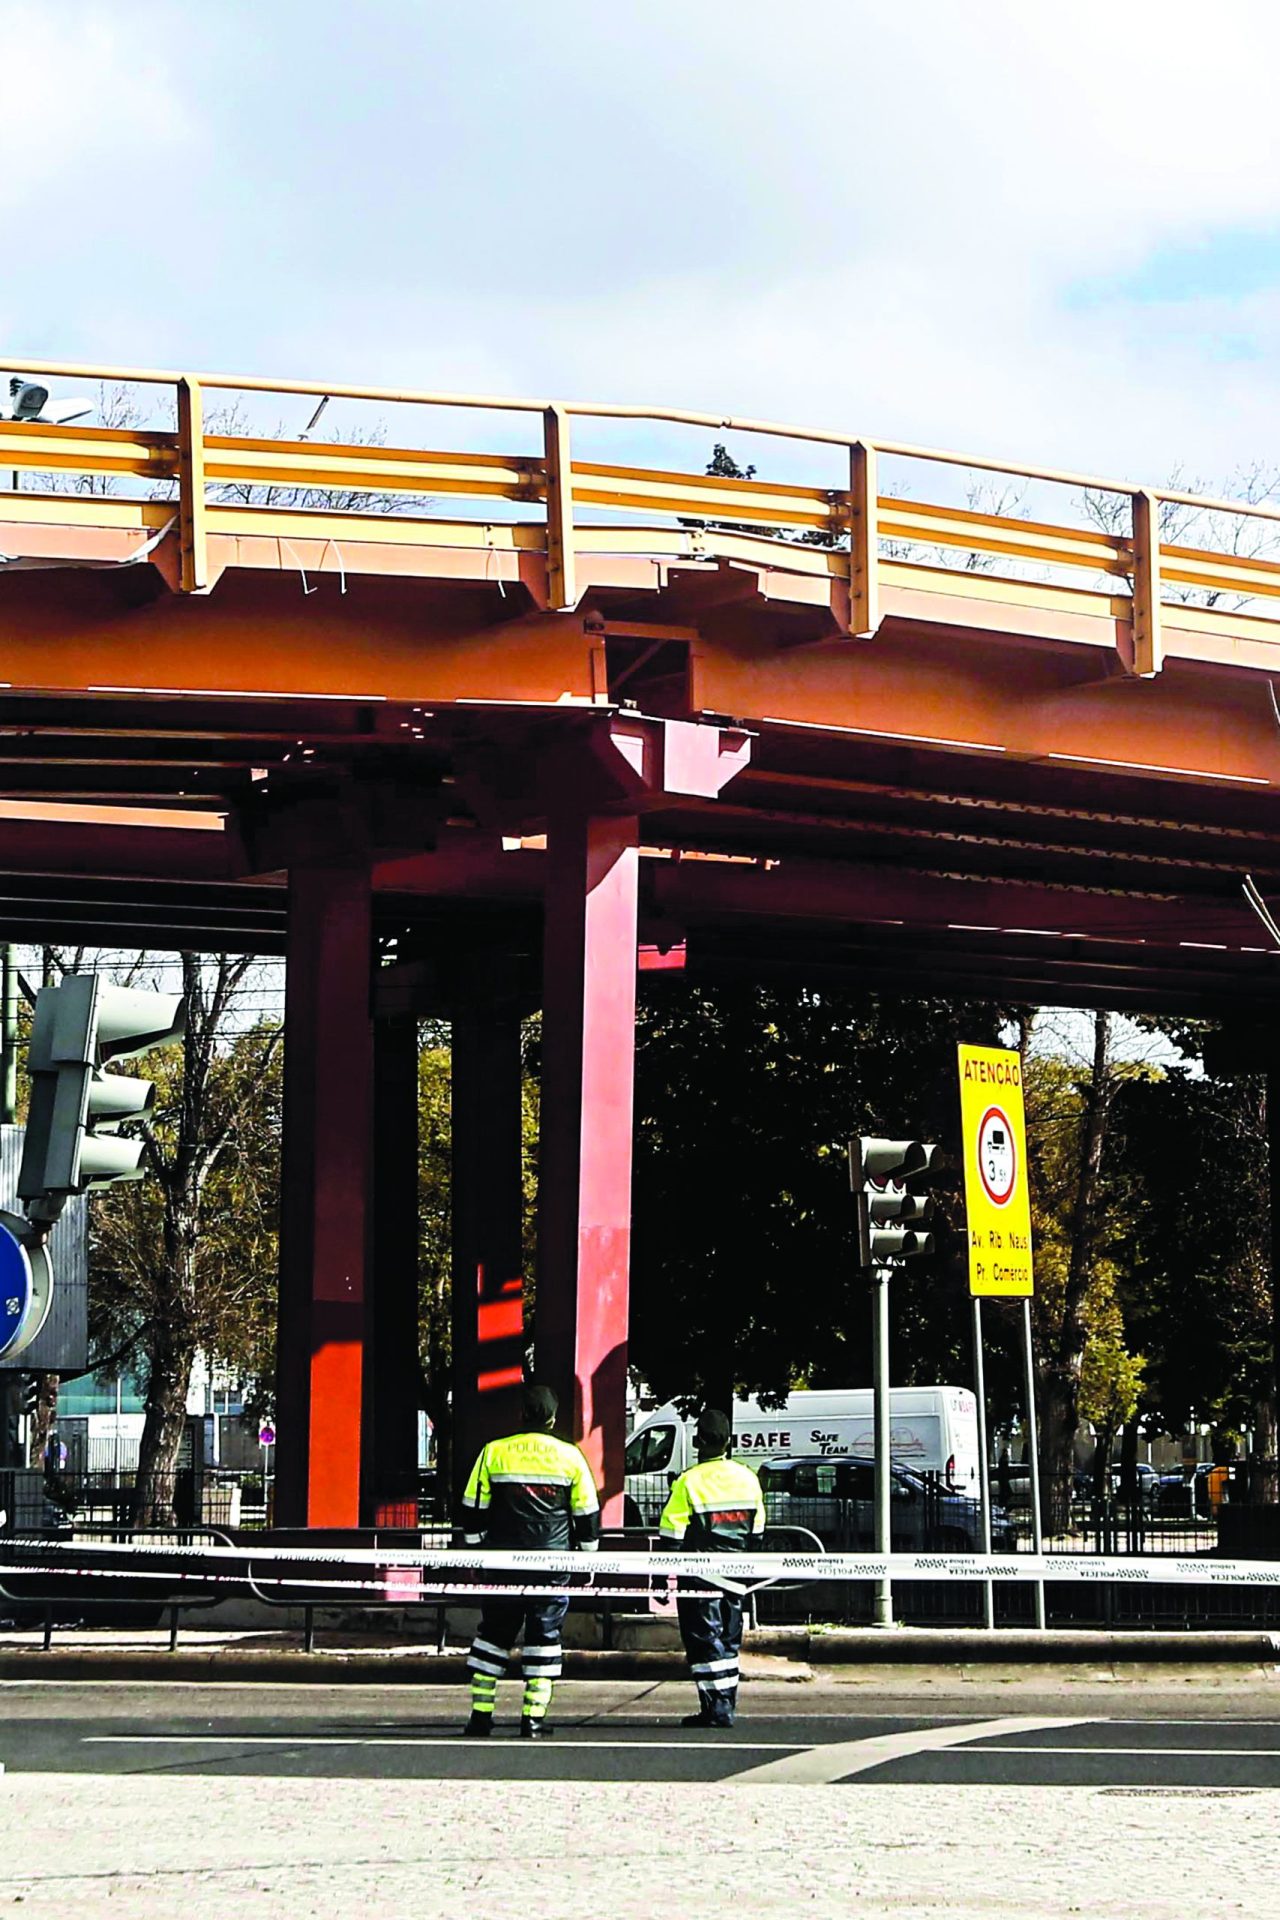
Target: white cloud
{"x": 86, "y": 93}
{"x": 838, "y": 213}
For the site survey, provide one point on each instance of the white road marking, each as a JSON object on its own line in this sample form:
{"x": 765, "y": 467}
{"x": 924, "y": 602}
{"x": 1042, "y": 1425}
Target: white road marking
{"x": 421, "y": 1741}
{"x": 837, "y": 1759}
{"x": 1154, "y": 1753}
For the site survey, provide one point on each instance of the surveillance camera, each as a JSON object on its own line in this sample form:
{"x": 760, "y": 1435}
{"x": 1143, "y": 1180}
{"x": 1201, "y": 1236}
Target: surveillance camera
{"x": 30, "y": 403}
{"x": 26, "y": 400}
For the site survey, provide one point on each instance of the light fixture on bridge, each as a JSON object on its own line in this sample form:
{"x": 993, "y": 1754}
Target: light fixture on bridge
{"x": 28, "y": 401}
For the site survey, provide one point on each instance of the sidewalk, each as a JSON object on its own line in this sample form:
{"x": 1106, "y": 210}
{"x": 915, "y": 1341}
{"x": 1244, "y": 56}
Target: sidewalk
{"x": 841, "y": 1655}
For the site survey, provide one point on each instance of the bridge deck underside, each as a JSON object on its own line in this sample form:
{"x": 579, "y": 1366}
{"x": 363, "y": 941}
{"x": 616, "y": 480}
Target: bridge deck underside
{"x": 974, "y": 801}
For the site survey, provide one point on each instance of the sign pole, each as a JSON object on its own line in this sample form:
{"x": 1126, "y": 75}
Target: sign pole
{"x": 882, "y": 1611}
{"x": 984, "y": 1463}
{"x": 1033, "y": 1438}
{"x": 997, "y": 1203}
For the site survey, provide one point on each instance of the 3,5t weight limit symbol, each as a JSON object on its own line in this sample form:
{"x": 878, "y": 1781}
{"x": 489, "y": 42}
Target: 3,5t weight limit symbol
{"x": 997, "y": 1157}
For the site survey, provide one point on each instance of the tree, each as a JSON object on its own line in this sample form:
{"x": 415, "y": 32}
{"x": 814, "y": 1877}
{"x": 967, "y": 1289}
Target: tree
{"x": 743, "y": 1266}
{"x": 435, "y": 1250}
{"x": 1068, "y": 1244}
{"x": 1196, "y": 1254}
{"x": 185, "y": 1260}
{"x": 1180, "y": 523}
{"x": 1111, "y": 1380}
{"x": 119, "y": 406}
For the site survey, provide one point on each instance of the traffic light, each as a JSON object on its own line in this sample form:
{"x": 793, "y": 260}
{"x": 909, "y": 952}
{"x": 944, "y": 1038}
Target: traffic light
{"x": 890, "y": 1215}
{"x": 29, "y": 1394}
{"x": 71, "y": 1145}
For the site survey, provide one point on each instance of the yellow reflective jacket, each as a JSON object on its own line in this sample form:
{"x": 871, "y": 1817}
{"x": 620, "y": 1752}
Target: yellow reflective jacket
{"x": 531, "y": 1490}
{"x": 715, "y": 1507}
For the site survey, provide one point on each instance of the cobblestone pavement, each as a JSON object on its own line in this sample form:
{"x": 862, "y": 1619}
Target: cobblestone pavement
{"x": 149, "y": 1845}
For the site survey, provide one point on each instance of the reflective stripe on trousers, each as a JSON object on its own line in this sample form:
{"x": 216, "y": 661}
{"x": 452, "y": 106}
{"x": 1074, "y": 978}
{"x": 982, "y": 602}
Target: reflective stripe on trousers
{"x": 711, "y": 1628}
{"x": 501, "y": 1624}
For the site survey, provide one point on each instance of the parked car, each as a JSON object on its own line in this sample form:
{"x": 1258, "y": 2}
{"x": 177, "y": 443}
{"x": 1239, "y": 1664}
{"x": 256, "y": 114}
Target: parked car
{"x": 1147, "y": 1478}
{"x": 1188, "y": 1496}
{"x": 836, "y": 1500}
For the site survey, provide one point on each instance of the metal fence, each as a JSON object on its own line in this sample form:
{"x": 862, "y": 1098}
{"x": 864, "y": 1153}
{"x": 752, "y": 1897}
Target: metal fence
{"x": 1185, "y": 1515}
{"x": 1197, "y": 1513}
{"x": 74, "y": 1497}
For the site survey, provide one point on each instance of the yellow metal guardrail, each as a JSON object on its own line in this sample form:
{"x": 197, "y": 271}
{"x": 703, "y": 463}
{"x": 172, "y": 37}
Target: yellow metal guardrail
{"x": 193, "y": 460}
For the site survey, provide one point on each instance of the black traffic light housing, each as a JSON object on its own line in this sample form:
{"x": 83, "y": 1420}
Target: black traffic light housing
{"x": 71, "y": 1144}
{"x": 891, "y": 1216}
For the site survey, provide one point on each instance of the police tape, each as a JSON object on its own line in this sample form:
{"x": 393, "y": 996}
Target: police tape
{"x": 463, "y": 1570}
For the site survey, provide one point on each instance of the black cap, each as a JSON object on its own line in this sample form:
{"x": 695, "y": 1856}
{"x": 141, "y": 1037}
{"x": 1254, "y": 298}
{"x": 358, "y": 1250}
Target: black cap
{"x": 539, "y": 1406}
{"x": 713, "y": 1430}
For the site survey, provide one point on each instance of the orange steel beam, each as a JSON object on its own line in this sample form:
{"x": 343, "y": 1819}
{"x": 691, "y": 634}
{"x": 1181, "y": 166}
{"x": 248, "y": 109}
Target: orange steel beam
{"x": 936, "y": 683}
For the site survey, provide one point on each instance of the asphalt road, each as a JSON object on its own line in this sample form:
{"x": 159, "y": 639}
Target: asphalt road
{"x": 1116, "y": 1799}
{"x": 1128, "y": 1740}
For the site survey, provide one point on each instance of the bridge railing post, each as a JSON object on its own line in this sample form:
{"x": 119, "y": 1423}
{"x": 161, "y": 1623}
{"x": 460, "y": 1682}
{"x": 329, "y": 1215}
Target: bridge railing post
{"x": 191, "y": 500}
{"x": 562, "y": 590}
{"x": 1148, "y": 645}
{"x": 864, "y": 542}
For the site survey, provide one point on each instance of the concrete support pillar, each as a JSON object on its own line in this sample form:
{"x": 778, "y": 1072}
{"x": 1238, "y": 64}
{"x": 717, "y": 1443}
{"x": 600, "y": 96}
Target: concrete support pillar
{"x": 390, "y": 1484}
{"x": 488, "y": 1257}
{"x": 584, "y": 1190}
{"x": 328, "y": 1089}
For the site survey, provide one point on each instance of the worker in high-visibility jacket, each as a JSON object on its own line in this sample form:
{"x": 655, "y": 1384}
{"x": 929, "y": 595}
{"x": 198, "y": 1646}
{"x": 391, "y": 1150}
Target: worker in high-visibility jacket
{"x": 715, "y": 1507}
{"x": 528, "y": 1490}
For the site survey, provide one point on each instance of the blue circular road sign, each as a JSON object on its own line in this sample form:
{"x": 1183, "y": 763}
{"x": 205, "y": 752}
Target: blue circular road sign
{"x": 15, "y": 1290}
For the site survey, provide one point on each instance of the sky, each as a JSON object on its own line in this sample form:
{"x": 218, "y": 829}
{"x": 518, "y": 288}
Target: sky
{"x": 1028, "y": 231}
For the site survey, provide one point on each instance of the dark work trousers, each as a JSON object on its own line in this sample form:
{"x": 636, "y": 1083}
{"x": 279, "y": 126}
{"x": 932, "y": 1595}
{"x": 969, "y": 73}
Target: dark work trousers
{"x": 501, "y": 1622}
{"x": 711, "y": 1628}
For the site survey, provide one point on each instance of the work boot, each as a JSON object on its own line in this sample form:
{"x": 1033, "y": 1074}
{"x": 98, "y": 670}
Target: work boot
{"x": 531, "y": 1729}
{"x": 699, "y": 1719}
{"x": 479, "y": 1726}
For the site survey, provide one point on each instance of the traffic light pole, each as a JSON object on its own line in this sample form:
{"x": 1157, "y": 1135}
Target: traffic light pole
{"x": 890, "y": 1221}
{"x": 984, "y": 1462}
{"x": 882, "y": 1610}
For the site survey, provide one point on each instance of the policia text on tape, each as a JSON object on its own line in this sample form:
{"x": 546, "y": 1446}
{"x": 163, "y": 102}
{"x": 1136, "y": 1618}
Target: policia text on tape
{"x": 446, "y": 1572}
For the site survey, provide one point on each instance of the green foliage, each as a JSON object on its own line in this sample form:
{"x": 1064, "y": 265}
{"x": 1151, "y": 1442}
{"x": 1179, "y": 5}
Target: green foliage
{"x": 1111, "y": 1378}
{"x": 435, "y": 1175}
{"x": 227, "y": 1302}
{"x": 1193, "y": 1251}
{"x": 434, "y": 1215}
{"x": 1055, "y": 1094}
{"x": 743, "y": 1265}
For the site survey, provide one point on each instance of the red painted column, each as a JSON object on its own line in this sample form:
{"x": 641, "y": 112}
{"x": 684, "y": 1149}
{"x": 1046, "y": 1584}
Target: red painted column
{"x": 584, "y": 1155}
{"x": 328, "y": 1088}
{"x": 487, "y": 1225}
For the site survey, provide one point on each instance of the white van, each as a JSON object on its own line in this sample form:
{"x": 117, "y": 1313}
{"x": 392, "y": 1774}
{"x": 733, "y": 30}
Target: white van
{"x": 933, "y": 1429}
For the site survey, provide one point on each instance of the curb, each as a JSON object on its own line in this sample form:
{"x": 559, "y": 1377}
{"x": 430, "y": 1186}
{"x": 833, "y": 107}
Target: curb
{"x": 802, "y": 1652}
{"x": 926, "y": 1646}
{"x": 325, "y": 1667}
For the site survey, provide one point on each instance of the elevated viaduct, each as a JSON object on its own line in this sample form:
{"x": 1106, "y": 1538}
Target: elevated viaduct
{"x": 603, "y": 716}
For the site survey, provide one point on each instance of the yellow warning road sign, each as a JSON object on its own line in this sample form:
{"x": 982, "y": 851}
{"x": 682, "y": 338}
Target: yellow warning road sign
{"x": 997, "y": 1197}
